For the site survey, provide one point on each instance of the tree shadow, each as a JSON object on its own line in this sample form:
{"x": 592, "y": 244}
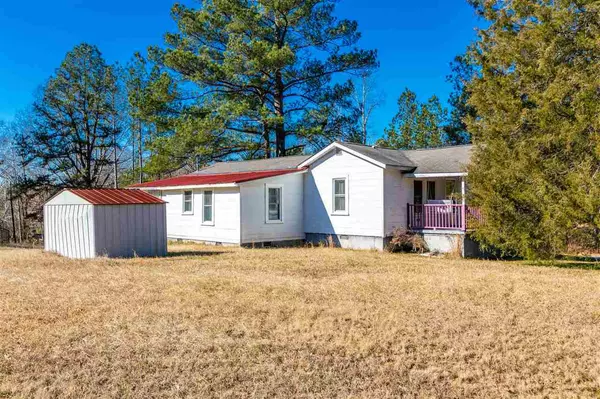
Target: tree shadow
{"x": 578, "y": 265}
{"x": 194, "y": 253}
{"x": 571, "y": 262}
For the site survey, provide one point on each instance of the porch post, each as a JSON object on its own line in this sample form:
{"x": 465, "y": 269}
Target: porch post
{"x": 464, "y": 203}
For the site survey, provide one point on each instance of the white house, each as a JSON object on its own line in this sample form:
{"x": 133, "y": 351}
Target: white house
{"x": 352, "y": 194}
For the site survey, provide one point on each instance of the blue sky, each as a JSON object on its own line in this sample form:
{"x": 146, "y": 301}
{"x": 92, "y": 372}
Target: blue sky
{"x": 416, "y": 41}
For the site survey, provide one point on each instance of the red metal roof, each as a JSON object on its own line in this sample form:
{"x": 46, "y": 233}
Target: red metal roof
{"x": 208, "y": 179}
{"x": 113, "y": 196}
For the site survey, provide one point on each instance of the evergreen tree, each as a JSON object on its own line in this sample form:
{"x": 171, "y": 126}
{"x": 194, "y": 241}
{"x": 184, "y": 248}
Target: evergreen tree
{"x": 152, "y": 107}
{"x": 536, "y": 169}
{"x": 415, "y": 125}
{"x": 260, "y": 73}
{"x": 462, "y": 72}
{"x": 430, "y": 124}
{"x": 72, "y": 134}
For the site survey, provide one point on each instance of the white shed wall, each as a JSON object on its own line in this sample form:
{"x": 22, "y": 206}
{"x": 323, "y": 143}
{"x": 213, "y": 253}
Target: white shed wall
{"x": 128, "y": 230}
{"x": 69, "y": 229}
{"x": 365, "y": 197}
{"x": 253, "y": 197}
{"x": 226, "y": 216}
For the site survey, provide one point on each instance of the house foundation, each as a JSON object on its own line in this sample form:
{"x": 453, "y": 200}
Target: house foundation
{"x": 346, "y": 241}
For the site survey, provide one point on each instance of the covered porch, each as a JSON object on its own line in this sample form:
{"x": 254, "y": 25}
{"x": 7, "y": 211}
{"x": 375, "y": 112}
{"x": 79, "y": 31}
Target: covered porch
{"x": 439, "y": 203}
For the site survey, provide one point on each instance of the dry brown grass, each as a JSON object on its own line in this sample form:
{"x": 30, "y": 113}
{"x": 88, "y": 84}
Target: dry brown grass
{"x": 227, "y": 322}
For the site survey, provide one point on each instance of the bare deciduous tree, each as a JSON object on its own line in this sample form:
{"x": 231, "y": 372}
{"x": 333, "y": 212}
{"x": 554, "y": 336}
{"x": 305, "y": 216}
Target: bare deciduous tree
{"x": 365, "y": 99}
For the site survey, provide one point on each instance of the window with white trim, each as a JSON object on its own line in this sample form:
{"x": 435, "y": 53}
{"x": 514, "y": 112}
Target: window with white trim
{"x": 340, "y": 196}
{"x": 274, "y": 202}
{"x": 208, "y": 197}
{"x": 188, "y": 203}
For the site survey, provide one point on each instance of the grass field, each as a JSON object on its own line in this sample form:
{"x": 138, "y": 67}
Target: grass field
{"x": 227, "y": 322}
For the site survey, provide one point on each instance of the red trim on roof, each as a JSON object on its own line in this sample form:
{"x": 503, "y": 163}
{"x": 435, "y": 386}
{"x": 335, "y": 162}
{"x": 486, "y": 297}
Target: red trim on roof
{"x": 219, "y": 178}
{"x": 113, "y": 196}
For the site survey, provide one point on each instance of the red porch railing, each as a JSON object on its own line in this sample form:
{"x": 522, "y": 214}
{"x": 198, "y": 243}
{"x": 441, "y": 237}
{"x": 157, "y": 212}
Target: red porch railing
{"x": 443, "y": 217}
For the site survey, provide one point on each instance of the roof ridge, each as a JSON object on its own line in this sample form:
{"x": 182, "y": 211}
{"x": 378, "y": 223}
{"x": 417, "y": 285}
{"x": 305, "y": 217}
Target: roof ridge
{"x": 208, "y": 179}
{"x": 402, "y": 149}
{"x": 260, "y": 159}
{"x": 237, "y": 173}
{"x": 97, "y": 189}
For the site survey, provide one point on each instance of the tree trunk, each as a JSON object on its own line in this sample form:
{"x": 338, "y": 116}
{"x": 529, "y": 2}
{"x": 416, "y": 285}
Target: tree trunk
{"x": 141, "y": 153}
{"x": 279, "y": 110}
{"x": 133, "y": 154}
{"x": 266, "y": 141}
{"x": 115, "y": 157}
{"x": 12, "y": 213}
{"x": 22, "y": 214}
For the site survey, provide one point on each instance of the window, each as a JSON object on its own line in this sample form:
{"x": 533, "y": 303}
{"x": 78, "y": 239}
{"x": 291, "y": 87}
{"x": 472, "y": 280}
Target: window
{"x": 450, "y": 189}
{"x": 340, "y": 196}
{"x": 188, "y": 202}
{"x": 274, "y": 203}
{"x": 430, "y": 190}
{"x": 207, "y": 207}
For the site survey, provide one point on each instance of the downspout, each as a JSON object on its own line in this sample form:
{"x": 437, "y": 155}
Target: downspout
{"x": 241, "y": 218}
{"x": 383, "y": 235}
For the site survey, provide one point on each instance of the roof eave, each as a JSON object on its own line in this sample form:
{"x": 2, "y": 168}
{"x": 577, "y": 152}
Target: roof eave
{"x": 404, "y": 169}
{"x": 436, "y": 174}
{"x": 220, "y": 185}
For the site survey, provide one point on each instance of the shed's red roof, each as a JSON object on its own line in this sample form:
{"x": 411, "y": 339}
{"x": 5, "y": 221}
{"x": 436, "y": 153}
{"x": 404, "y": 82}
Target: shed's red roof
{"x": 221, "y": 178}
{"x": 113, "y": 196}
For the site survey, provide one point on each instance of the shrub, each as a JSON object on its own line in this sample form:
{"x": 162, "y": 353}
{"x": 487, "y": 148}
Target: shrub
{"x": 406, "y": 241}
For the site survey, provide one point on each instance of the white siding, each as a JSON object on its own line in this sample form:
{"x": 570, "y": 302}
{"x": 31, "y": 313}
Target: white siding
{"x": 253, "y": 197}
{"x": 398, "y": 193}
{"x": 76, "y": 229}
{"x": 130, "y": 230}
{"x": 226, "y": 214}
{"x": 67, "y": 198}
{"x": 69, "y": 229}
{"x": 365, "y": 197}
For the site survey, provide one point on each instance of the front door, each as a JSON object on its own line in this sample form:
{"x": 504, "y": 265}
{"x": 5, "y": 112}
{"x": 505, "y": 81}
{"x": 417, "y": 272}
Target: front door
{"x": 418, "y": 192}
{"x": 417, "y": 217}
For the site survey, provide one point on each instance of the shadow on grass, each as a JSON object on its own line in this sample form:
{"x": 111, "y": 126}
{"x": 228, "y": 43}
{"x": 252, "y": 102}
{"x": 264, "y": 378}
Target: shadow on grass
{"x": 572, "y": 262}
{"x": 194, "y": 253}
{"x": 578, "y": 265}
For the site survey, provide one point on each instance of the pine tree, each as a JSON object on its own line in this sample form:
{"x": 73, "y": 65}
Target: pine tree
{"x": 463, "y": 71}
{"x": 261, "y": 73}
{"x": 152, "y": 108}
{"x": 415, "y": 125}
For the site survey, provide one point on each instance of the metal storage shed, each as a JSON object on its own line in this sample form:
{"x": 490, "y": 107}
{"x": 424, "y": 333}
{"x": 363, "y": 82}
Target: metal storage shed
{"x": 105, "y": 222}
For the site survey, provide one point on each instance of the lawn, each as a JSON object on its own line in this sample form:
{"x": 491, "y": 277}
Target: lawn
{"x": 304, "y": 322}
